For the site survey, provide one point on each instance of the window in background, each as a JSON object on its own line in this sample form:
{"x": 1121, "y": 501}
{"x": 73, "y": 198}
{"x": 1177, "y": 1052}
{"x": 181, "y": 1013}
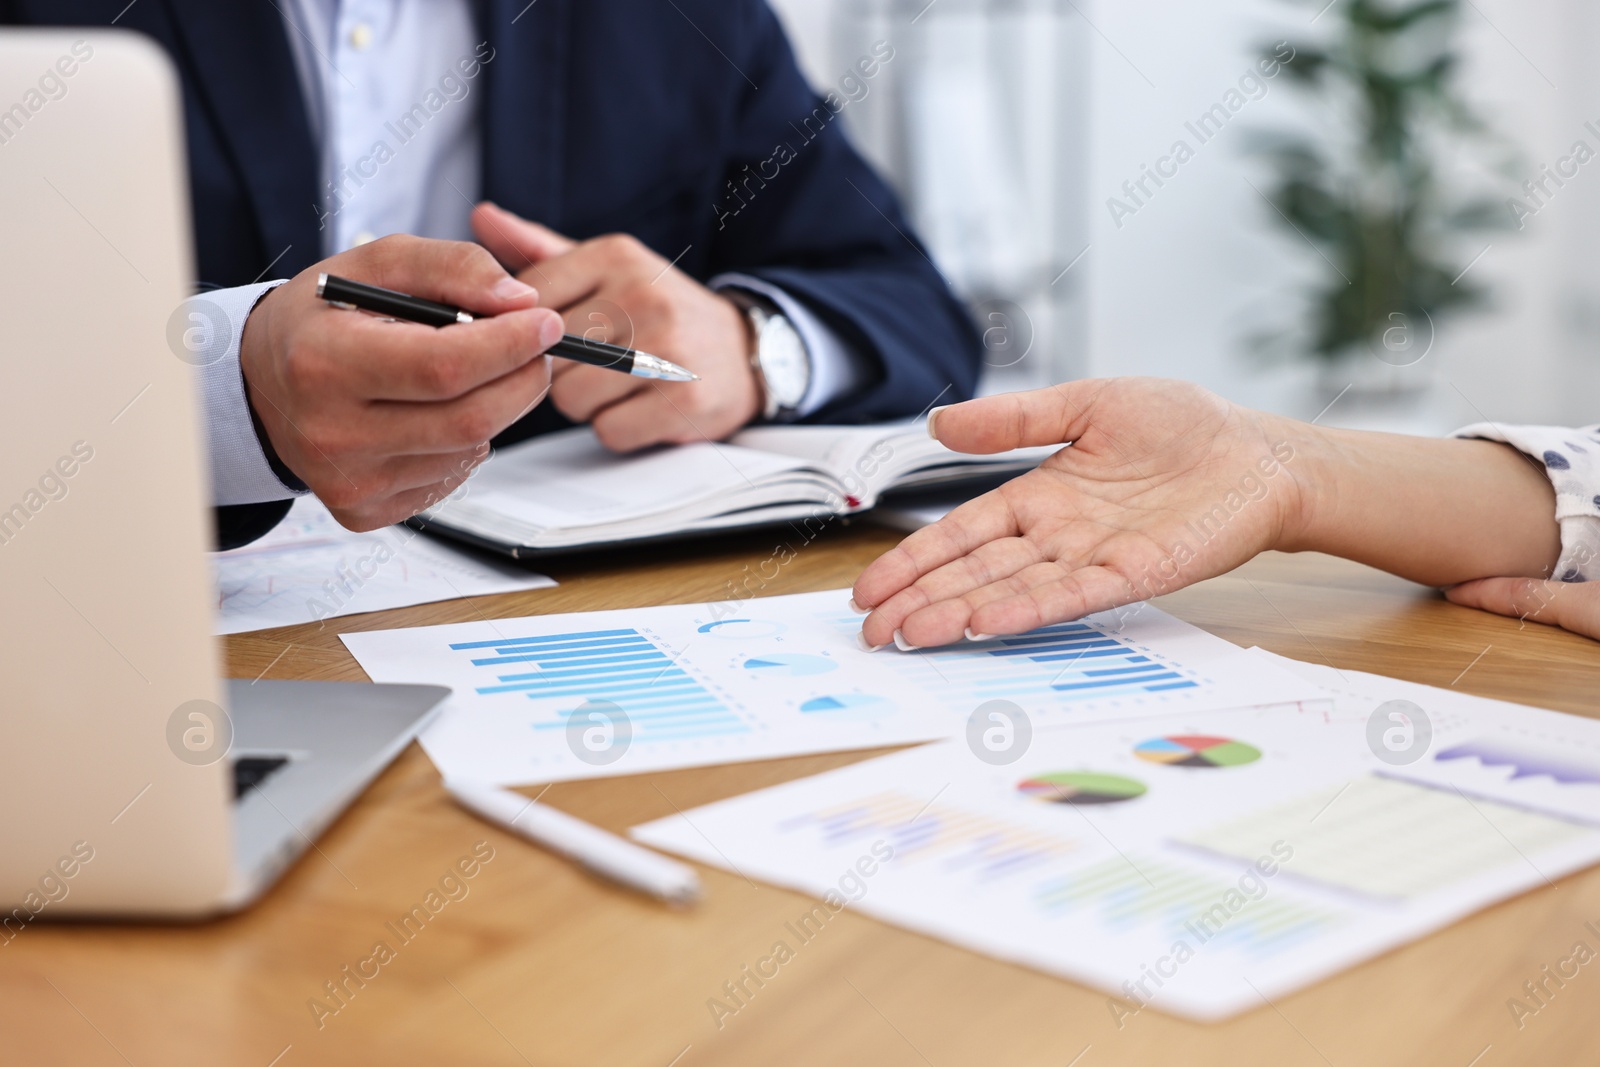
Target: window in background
{"x": 978, "y": 118}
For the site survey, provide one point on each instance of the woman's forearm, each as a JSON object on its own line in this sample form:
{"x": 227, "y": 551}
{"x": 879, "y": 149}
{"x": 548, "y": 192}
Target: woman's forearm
{"x": 1436, "y": 511}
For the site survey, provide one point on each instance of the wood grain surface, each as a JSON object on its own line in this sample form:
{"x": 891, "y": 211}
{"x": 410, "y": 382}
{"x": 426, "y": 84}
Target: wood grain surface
{"x": 540, "y": 964}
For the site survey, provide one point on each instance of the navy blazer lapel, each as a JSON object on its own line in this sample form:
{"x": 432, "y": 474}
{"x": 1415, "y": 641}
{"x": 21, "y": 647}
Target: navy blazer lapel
{"x": 524, "y": 113}
{"x": 247, "y": 78}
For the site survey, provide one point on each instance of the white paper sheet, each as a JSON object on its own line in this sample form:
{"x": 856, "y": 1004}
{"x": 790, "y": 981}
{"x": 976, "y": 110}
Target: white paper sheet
{"x": 310, "y": 568}
{"x": 1215, "y": 881}
{"x": 1524, "y": 755}
{"x": 695, "y": 684}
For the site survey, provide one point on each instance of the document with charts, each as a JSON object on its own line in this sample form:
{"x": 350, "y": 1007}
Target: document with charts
{"x": 1201, "y": 863}
{"x": 620, "y": 692}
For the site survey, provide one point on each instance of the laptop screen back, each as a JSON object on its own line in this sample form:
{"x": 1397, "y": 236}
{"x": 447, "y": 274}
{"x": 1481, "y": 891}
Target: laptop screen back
{"x": 115, "y": 794}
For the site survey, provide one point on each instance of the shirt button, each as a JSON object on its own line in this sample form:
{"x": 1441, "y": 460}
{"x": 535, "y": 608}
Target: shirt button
{"x": 360, "y": 36}
{"x": 362, "y": 238}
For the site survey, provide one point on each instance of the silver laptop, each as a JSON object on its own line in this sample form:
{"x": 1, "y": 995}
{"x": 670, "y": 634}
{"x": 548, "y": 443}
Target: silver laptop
{"x": 133, "y": 778}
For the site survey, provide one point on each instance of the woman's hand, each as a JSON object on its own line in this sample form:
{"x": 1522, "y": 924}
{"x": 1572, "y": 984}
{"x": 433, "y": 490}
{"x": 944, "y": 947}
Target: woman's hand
{"x": 1164, "y": 484}
{"x": 1572, "y": 606}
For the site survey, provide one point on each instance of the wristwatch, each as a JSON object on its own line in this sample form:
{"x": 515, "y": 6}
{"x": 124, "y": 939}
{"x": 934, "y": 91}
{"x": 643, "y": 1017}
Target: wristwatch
{"x": 779, "y": 357}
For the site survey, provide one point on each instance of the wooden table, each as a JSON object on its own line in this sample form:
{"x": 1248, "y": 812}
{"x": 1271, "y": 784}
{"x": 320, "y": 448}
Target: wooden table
{"x": 540, "y": 964}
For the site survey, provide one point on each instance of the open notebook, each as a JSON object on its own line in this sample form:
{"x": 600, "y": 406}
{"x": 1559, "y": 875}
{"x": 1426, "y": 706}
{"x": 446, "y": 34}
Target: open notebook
{"x": 565, "y": 492}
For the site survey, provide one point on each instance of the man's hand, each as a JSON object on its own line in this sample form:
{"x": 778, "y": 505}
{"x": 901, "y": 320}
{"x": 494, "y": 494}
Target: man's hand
{"x": 1572, "y": 606}
{"x": 1165, "y": 484}
{"x": 615, "y": 289}
{"x": 382, "y": 419}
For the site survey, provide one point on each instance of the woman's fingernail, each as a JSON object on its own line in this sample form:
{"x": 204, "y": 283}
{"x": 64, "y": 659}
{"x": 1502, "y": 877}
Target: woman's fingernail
{"x": 977, "y": 637}
{"x": 509, "y": 288}
{"x": 902, "y": 644}
{"x": 861, "y": 641}
{"x": 858, "y": 609}
{"x": 933, "y": 415}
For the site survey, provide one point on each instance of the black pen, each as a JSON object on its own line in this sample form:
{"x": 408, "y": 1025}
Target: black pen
{"x": 343, "y": 291}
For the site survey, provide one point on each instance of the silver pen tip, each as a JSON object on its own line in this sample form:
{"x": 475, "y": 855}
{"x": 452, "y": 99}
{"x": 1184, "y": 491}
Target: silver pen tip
{"x": 648, "y": 366}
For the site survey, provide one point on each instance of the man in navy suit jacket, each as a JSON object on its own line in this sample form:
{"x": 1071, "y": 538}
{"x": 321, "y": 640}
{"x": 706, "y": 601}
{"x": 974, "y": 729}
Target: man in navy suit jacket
{"x": 749, "y": 222}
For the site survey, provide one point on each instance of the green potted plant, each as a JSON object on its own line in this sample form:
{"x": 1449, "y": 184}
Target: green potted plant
{"x": 1363, "y": 189}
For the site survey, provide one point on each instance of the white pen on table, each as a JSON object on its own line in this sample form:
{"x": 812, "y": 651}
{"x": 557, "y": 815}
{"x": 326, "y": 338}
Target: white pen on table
{"x": 603, "y": 853}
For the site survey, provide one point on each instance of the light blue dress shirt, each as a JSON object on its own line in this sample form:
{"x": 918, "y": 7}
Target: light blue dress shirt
{"x": 392, "y": 90}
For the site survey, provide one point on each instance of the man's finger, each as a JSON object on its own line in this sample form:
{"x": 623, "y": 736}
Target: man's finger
{"x": 407, "y": 361}
{"x": 1049, "y": 416}
{"x": 615, "y": 263}
{"x": 386, "y": 511}
{"x": 515, "y": 241}
{"x": 601, "y": 320}
{"x": 645, "y": 418}
{"x": 1573, "y": 606}
{"x": 453, "y": 272}
{"x": 577, "y": 277}
{"x": 583, "y": 391}
{"x": 405, "y": 473}
{"x": 417, "y": 428}
{"x": 370, "y": 498}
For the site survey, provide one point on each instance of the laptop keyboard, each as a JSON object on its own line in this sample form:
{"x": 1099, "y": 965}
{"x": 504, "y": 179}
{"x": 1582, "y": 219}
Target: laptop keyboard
{"x": 251, "y": 771}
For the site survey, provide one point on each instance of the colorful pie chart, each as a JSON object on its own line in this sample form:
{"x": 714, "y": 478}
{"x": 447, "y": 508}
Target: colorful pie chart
{"x": 1195, "y": 750}
{"x": 1081, "y": 787}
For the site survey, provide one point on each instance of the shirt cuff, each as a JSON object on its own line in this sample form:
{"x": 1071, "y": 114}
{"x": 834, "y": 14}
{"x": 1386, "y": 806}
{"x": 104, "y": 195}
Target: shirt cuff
{"x": 240, "y": 470}
{"x": 837, "y": 370}
{"x": 1571, "y": 459}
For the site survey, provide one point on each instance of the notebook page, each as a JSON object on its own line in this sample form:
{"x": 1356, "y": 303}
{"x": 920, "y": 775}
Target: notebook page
{"x": 569, "y": 480}
{"x": 866, "y": 459}
{"x": 871, "y": 460}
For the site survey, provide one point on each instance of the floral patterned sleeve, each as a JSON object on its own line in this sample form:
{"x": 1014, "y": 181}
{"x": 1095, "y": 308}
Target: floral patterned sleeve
{"x": 1571, "y": 459}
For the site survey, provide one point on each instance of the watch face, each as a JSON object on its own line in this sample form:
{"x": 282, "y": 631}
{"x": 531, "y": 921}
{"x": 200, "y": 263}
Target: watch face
{"x": 784, "y": 362}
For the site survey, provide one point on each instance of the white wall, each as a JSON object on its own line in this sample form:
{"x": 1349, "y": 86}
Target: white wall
{"x": 1177, "y": 288}
{"x": 1177, "y": 285}
{"x": 1537, "y": 356}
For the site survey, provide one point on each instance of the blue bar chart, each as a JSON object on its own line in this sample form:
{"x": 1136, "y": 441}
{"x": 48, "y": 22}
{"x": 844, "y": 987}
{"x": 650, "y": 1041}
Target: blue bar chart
{"x": 1073, "y": 661}
{"x": 622, "y": 666}
{"x": 1085, "y": 660}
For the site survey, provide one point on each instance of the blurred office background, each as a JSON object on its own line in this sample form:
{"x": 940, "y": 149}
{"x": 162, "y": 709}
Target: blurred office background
{"x": 1009, "y": 126}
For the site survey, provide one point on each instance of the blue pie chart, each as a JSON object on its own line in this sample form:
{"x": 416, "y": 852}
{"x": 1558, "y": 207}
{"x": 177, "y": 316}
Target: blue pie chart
{"x": 848, "y": 706}
{"x": 792, "y": 663}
